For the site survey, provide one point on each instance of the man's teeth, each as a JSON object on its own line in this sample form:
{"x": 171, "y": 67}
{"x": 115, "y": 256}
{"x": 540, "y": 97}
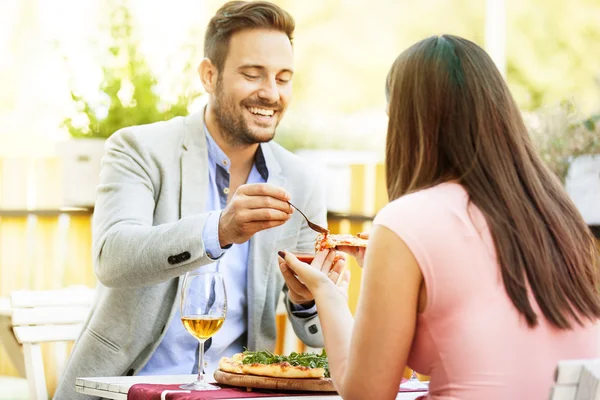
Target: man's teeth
{"x": 261, "y": 111}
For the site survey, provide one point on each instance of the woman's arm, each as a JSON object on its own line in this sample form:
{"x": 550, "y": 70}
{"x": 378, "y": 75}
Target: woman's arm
{"x": 367, "y": 357}
{"x": 385, "y": 320}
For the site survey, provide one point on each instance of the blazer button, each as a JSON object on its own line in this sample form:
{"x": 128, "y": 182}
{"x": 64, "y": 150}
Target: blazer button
{"x": 313, "y": 329}
{"x": 176, "y": 259}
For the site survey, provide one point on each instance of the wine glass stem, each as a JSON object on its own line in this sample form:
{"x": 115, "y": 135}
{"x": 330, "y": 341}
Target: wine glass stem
{"x": 201, "y": 362}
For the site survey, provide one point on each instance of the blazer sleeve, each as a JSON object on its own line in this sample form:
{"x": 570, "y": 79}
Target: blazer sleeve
{"x": 128, "y": 250}
{"x": 308, "y": 327}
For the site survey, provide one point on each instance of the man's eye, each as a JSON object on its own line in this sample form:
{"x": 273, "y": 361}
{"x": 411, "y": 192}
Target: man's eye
{"x": 283, "y": 81}
{"x": 250, "y": 76}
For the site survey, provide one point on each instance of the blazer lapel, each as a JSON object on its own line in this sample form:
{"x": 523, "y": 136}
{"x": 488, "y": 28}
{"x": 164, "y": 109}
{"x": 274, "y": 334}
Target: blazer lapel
{"x": 194, "y": 172}
{"x": 262, "y": 257}
{"x": 194, "y": 167}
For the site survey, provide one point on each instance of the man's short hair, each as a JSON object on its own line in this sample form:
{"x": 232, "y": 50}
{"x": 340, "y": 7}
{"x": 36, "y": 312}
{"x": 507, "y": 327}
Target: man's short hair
{"x": 235, "y": 16}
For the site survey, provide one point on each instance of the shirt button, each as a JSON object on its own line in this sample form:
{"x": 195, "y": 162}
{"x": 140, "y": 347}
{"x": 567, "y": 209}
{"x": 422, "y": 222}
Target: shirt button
{"x": 225, "y": 162}
{"x": 226, "y": 190}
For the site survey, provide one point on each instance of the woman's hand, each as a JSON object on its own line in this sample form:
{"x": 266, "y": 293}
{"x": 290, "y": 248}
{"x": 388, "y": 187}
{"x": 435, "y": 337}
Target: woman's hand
{"x": 304, "y": 280}
{"x": 357, "y": 252}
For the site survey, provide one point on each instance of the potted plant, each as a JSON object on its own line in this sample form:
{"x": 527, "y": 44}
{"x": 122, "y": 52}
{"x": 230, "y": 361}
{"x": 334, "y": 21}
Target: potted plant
{"x": 129, "y": 97}
{"x": 570, "y": 145}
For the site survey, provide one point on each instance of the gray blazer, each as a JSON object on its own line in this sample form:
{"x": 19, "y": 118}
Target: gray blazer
{"x": 149, "y": 211}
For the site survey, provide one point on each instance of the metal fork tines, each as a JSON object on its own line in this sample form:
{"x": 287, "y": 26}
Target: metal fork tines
{"x": 312, "y": 225}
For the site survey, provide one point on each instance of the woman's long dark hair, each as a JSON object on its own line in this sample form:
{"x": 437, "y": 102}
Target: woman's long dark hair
{"x": 452, "y": 117}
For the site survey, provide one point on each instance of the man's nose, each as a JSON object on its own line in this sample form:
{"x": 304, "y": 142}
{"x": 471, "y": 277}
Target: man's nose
{"x": 269, "y": 91}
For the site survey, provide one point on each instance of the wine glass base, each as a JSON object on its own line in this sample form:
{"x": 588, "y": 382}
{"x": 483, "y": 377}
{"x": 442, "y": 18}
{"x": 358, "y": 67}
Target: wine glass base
{"x": 414, "y": 384}
{"x": 199, "y": 386}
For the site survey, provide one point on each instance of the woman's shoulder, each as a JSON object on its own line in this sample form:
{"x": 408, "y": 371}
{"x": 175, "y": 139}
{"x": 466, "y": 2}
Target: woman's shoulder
{"x": 447, "y": 197}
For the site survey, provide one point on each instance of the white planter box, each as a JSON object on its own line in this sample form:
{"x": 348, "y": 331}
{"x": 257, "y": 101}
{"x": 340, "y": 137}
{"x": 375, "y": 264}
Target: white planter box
{"x": 80, "y": 170}
{"x": 583, "y": 185}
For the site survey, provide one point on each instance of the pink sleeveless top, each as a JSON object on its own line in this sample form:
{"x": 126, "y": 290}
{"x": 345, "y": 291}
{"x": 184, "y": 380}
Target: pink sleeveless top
{"x": 470, "y": 339}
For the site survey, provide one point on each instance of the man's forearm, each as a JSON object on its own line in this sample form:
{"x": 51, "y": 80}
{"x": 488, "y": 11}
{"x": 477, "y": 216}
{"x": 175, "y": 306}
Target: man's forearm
{"x": 130, "y": 255}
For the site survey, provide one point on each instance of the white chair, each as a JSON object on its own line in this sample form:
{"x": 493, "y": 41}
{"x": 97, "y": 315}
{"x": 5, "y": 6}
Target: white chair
{"x": 13, "y": 388}
{"x": 577, "y": 380}
{"x": 47, "y": 316}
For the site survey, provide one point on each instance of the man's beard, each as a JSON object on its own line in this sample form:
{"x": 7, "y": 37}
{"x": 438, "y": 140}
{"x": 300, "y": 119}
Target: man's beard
{"x": 232, "y": 124}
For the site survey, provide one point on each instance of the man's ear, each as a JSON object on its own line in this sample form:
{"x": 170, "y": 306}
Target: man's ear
{"x": 208, "y": 75}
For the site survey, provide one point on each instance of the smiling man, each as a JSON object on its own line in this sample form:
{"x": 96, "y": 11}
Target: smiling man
{"x": 208, "y": 191}
{"x": 251, "y": 89}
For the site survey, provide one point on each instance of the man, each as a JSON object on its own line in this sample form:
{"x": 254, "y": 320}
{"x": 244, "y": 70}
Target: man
{"x": 206, "y": 191}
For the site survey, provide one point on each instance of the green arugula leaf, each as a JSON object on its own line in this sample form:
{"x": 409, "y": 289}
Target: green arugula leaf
{"x": 311, "y": 360}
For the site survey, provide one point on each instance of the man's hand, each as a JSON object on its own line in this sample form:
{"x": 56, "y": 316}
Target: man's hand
{"x": 303, "y": 280}
{"x": 253, "y": 208}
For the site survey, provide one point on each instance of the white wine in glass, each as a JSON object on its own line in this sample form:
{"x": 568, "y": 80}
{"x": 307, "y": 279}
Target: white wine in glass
{"x": 203, "y": 311}
{"x": 202, "y": 327}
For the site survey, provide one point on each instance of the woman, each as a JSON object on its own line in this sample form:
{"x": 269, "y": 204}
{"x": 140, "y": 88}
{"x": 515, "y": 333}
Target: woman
{"x": 480, "y": 272}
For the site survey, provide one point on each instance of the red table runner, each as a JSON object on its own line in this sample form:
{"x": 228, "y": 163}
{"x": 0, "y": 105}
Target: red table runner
{"x": 155, "y": 392}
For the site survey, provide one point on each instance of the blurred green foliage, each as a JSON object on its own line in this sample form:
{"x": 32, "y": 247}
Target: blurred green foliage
{"x": 344, "y": 48}
{"x": 560, "y": 134}
{"x": 128, "y": 86}
{"x": 553, "y": 49}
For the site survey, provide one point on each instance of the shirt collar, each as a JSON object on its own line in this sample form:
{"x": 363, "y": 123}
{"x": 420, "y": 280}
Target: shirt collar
{"x": 218, "y": 157}
{"x": 215, "y": 154}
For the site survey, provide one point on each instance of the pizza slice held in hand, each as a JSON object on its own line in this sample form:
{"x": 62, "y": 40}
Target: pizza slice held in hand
{"x": 331, "y": 241}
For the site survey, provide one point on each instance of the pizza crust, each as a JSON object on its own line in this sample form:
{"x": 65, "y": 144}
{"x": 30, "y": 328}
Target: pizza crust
{"x": 233, "y": 364}
{"x": 283, "y": 370}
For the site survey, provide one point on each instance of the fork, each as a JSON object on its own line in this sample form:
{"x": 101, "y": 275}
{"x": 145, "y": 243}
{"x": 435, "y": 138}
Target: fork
{"x": 311, "y": 225}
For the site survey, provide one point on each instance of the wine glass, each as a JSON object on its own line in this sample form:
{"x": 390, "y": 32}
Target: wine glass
{"x": 203, "y": 311}
{"x": 304, "y": 254}
{"x": 413, "y": 382}
{"x": 308, "y": 254}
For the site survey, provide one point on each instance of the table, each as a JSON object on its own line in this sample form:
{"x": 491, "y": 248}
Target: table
{"x": 116, "y": 387}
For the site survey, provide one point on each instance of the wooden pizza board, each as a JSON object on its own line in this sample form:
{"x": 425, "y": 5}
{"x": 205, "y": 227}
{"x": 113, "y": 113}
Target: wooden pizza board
{"x": 266, "y": 382}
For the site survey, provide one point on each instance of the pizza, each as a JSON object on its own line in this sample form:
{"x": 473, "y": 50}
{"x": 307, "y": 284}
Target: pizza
{"x": 331, "y": 241}
{"x": 265, "y": 363}
{"x": 232, "y": 364}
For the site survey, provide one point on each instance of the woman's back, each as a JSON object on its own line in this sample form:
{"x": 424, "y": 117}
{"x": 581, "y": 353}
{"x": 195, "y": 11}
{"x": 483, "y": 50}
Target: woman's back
{"x": 471, "y": 339}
